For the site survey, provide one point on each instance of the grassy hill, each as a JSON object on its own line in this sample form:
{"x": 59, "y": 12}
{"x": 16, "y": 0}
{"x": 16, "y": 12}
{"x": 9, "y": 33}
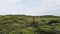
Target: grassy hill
{"x": 20, "y": 24}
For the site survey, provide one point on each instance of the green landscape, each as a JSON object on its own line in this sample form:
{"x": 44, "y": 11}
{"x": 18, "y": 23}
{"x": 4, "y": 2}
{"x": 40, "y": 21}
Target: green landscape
{"x": 21, "y": 24}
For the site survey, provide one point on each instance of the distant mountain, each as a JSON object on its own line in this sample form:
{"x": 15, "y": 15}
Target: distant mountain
{"x": 49, "y": 16}
{"x": 31, "y": 16}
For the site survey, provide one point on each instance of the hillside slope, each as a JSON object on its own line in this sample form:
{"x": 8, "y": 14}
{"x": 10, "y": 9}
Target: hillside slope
{"x": 19, "y": 24}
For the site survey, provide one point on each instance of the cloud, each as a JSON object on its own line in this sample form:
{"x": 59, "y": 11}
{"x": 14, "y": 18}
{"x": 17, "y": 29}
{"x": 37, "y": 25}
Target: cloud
{"x": 44, "y": 7}
{"x": 30, "y": 7}
{"x": 9, "y": 1}
{"x": 11, "y": 6}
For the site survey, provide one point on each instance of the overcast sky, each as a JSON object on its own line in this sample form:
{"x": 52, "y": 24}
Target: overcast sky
{"x": 30, "y": 7}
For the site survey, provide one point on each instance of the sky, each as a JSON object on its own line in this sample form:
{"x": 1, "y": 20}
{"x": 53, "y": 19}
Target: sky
{"x": 30, "y": 7}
